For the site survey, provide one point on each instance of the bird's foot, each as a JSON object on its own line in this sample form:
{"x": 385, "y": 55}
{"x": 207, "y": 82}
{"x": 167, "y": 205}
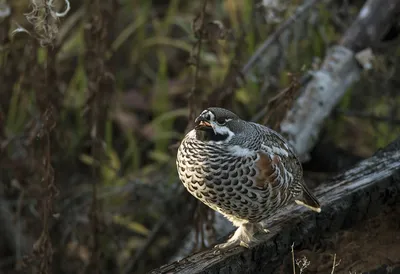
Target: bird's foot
{"x": 230, "y": 244}
{"x": 243, "y": 236}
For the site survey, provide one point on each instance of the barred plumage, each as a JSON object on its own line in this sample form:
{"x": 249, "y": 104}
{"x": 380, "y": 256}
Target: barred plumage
{"x": 241, "y": 169}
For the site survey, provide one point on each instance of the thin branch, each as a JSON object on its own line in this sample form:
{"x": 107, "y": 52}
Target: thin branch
{"x": 275, "y": 36}
{"x": 263, "y": 112}
{"x": 278, "y": 105}
{"x": 334, "y": 264}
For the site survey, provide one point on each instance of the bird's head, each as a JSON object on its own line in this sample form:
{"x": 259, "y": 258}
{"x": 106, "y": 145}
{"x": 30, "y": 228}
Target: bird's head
{"x": 218, "y": 125}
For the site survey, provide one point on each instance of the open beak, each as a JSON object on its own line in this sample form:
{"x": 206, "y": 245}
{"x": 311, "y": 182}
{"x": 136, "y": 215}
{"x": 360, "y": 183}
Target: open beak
{"x": 202, "y": 124}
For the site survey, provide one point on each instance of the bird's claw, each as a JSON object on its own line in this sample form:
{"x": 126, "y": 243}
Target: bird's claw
{"x": 226, "y": 245}
{"x": 230, "y": 244}
{"x": 244, "y": 244}
{"x": 216, "y": 251}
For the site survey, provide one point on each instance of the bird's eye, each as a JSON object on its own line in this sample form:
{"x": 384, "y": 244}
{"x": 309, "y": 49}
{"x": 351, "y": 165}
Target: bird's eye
{"x": 221, "y": 121}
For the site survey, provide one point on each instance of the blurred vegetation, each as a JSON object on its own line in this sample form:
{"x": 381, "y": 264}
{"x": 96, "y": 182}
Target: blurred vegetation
{"x": 94, "y": 103}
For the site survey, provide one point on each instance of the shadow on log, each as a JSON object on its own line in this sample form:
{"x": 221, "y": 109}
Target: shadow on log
{"x": 346, "y": 199}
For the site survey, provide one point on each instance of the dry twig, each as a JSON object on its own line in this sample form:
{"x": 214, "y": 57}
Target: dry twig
{"x": 278, "y": 105}
{"x": 292, "y": 251}
{"x": 335, "y": 264}
{"x": 192, "y": 99}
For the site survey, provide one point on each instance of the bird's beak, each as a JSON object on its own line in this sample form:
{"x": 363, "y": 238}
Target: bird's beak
{"x": 202, "y": 124}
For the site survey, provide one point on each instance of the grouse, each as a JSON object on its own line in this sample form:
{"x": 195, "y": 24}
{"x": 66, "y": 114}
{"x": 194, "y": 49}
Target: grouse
{"x": 243, "y": 170}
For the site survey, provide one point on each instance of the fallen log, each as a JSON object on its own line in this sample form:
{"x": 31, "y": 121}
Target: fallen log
{"x": 346, "y": 199}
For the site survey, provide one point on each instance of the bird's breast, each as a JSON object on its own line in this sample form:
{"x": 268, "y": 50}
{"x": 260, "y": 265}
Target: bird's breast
{"x": 223, "y": 180}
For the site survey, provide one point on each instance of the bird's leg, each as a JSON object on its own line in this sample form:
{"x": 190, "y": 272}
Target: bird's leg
{"x": 243, "y": 236}
{"x": 232, "y": 241}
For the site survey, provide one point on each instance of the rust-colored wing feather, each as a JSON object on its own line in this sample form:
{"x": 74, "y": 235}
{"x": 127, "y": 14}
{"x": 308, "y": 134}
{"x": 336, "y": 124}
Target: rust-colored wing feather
{"x": 268, "y": 171}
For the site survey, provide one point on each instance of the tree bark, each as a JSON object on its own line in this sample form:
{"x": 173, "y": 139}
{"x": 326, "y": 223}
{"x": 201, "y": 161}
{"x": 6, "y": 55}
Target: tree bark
{"x": 346, "y": 199}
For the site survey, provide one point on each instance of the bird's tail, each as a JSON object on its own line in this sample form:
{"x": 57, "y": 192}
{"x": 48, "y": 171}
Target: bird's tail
{"x": 309, "y": 200}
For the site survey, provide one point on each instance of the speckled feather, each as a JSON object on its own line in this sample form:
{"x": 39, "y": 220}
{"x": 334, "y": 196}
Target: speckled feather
{"x": 244, "y": 184}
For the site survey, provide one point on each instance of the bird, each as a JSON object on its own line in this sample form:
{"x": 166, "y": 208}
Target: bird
{"x": 243, "y": 170}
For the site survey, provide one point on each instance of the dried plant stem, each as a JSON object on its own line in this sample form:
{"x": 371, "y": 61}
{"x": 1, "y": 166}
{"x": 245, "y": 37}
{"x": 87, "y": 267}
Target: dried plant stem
{"x": 99, "y": 26}
{"x": 334, "y": 264}
{"x": 293, "y": 263}
{"x": 192, "y": 100}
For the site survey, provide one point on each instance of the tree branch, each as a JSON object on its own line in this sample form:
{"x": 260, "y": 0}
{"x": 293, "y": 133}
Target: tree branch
{"x": 339, "y": 71}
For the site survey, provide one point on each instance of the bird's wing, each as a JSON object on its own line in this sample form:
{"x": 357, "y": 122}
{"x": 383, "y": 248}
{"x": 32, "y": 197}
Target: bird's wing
{"x": 277, "y": 165}
{"x": 274, "y": 139}
{"x": 275, "y": 145}
{"x": 280, "y": 168}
